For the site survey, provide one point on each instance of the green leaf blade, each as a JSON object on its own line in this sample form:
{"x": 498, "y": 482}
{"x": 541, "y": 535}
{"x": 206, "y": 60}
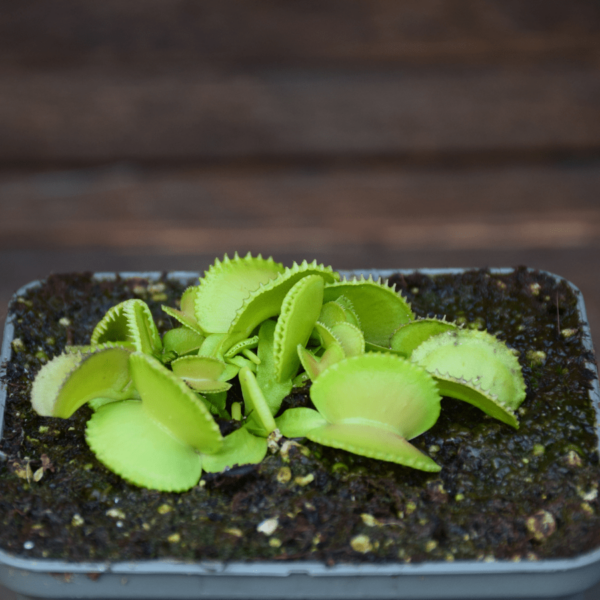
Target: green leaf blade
{"x": 266, "y": 372}
{"x": 131, "y": 444}
{"x": 299, "y": 313}
{"x": 314, "y": 366}
{"x": 239, "y": 448}
{"x": 350, "y": 337}
{"x": 182, "y": 340}
{"x": 260, "y": 419}
{"x": 378, "y": 387}
{"x": 225, "y": 287}
{"x": 373, "y": 442}
{"x": 183, "y": 319}
{"x": 480, "y": 360}
{"x": 266, "y": 302}
{"x": 297, "y": 422}
{"x": 169, "y": 401}
{"x": 50, "y": 379}
{"x": 411, "y": 335}
{"x": 129, "y": 322}
{"x": 202, "y": 373}
{"x": 104, "y": 373}
{"x": 378, "y": 307}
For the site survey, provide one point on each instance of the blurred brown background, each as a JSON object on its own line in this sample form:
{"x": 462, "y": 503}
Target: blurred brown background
{"x": 155, "y": 135}
{"x": 423, "y": 133}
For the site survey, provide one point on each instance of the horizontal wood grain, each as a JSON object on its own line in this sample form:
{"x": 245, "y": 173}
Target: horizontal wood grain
{"x": 86, "y": 115}
{"x": 264, "y": 210}
{"x": 554, "y": 230}
{"x": 236, "y": 33}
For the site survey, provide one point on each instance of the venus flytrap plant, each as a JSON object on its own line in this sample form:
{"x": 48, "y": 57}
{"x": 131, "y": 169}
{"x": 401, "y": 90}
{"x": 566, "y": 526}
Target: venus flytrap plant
{"x": 253, "y": 318}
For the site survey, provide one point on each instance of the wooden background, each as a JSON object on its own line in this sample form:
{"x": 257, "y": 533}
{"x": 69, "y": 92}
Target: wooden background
{"x": 156, "y": 134}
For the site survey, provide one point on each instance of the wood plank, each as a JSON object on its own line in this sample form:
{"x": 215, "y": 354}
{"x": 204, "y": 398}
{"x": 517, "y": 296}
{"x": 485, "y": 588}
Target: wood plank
{"x": 86, "y": 115}
{"x": 236, "y": 33}
{"x": 553, "y": 230}
{"x": 186, "y": 211}
{"x": 222, "y": 196}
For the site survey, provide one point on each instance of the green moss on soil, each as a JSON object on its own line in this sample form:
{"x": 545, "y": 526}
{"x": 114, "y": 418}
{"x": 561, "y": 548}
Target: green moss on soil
{"x": 485, "y": 503}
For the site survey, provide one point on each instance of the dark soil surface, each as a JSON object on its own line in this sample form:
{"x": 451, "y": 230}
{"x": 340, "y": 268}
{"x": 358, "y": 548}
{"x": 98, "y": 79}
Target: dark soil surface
{"x": 502, "y": 493}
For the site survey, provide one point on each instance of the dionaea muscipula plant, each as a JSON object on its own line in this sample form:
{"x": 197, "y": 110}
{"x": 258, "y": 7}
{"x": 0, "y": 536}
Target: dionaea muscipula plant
{"x": 378, "y": 373}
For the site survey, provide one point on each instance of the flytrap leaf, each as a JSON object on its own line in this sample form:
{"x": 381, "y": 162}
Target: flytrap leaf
{"x": 129, "y": 323}
{"x": 297, "y": 422}
{"x": 476, "y": 367}
{"x": 201, "y": 373}
{"x": 299, "y": 312}
{"x": 350, "y": 313}
{"x": 187, "y": 315}
{"x": 266, "y": 372}
{"x": 324, "y": 335}
{"x": 266, "y": 301}
{"x": 214, "y": 345}
{"x": 240, "y": 362}
{"x": 70, "y": 380}
{"x": 181, "y": 341}
{"x": 407, "y": 337}
{"x": 129, "y": 442}
{"x": 217, "y": 403}
{"x": 247, "y": 344}
{"x": 373, "y": 442}
{"x": 315, "y": 366}
{"x": 334, "y": 352}
{"x": 378, "y": 307}
{"x": 378, "y": 388}
{"x": 372, "y": 404}
{"x": 169, "y": 401}
{"x": 332, "y": 313}
{"x": 239, "y": 448}
{"x": 225, "y": 287}
{"x": 49, "y": 380}
{"x": 340, "y": 310}
{"x": 350, "y": 337}
{"x": 344, "y": 334}
{"x": 260, "y": 419}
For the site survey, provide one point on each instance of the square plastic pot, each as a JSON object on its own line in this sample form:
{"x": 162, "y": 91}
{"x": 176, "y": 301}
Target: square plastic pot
{"x": 562, "y": 578}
